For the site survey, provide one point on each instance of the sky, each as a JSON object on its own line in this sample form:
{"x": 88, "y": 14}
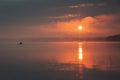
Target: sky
{"x": 59, "y": 18}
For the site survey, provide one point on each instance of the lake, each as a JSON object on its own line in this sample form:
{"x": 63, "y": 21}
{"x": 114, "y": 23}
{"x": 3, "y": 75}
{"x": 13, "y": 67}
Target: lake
{"x": 60, "y": 61}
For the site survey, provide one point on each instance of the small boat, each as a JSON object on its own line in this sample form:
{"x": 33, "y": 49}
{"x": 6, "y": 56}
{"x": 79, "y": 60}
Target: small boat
{"x": 20, "y": 43}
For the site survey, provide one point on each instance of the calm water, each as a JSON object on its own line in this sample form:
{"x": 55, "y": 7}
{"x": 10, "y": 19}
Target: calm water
{"x": 60, "y": 61}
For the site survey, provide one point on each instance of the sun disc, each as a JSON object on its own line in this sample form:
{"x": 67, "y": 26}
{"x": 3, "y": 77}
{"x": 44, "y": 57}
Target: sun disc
{"x": 80, "y": 27}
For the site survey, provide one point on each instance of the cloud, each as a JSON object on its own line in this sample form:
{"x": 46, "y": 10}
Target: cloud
{"x": 65, "y": 16}
{"x": 32, "y": 12}
{"x": 102, "y": 4}
{"x": 82, "y": 5}
{"x": 35, "y": 17}
{"x": 87, "y": 5}
{"x": 101, "y": 25}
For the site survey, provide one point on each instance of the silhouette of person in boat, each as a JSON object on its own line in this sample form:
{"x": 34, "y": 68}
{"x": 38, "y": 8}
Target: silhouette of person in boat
{"x": 20, "y": 43}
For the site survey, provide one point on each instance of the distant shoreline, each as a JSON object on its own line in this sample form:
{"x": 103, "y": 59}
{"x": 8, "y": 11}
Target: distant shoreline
{"x": 113, "y": 38}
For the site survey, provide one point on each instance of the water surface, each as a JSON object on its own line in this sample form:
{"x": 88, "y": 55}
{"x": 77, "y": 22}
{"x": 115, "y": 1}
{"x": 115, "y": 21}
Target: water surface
{"x": 60, "y": 61}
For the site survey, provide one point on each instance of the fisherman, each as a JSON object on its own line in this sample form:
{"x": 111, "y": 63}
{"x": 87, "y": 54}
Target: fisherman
{"x": 20, "y": 43}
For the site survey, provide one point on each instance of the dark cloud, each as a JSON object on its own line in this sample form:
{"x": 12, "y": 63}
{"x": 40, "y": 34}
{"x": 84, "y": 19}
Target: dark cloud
{"x": 36, "y": 11}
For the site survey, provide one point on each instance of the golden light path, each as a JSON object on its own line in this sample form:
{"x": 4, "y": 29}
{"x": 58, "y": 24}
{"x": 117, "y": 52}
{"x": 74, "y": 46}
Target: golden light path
{"x": 80, "y": 57}
{"x": 80, "y": 51}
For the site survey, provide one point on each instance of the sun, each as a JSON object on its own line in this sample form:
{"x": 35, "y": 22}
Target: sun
{"x": 80, "y": 27}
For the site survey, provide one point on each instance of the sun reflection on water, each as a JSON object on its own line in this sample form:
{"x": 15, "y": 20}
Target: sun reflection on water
{"x": 80, "y": 52}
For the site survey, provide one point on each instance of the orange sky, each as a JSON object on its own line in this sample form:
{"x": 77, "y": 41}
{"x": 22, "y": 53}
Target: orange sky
{"x": 92, "y": 27}
{"x": 98, "y": 26}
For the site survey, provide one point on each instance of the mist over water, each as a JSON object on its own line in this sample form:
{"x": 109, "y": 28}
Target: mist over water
{"x": 60, "y": 61}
